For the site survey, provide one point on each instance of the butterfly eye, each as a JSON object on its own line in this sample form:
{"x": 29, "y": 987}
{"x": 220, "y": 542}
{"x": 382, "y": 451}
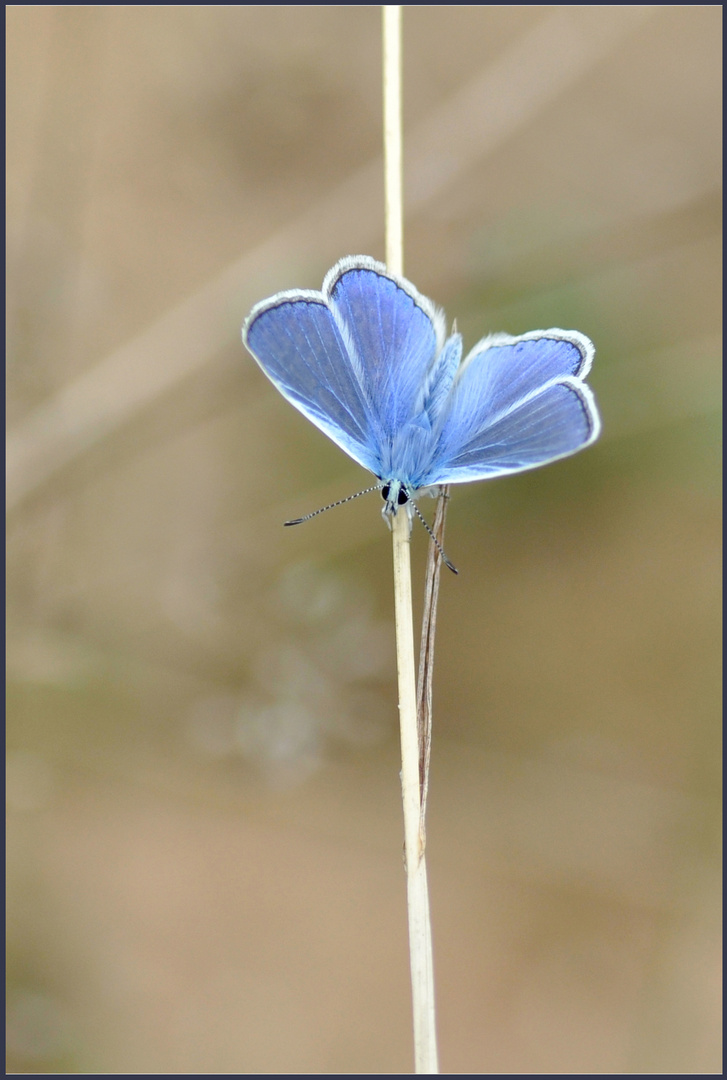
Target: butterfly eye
{"x": 401, "y": 498}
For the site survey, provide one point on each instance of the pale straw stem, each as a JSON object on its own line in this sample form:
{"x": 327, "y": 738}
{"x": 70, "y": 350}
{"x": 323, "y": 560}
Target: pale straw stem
{"x": 393, "y": 165}
{"x": 420, "y": 936}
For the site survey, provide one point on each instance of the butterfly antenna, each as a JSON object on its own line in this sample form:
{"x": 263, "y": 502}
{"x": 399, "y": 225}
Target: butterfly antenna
{"x": 440, "y": 549}
{"x": 340, "y": 502}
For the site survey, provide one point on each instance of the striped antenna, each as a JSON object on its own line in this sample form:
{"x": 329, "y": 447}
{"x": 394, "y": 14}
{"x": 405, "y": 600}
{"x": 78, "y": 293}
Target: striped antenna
{"x": 439, "y": 547}
{"x": 307, "y": 517}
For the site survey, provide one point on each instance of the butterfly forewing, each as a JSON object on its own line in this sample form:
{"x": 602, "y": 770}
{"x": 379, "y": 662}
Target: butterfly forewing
{"x": 393, "y": 334}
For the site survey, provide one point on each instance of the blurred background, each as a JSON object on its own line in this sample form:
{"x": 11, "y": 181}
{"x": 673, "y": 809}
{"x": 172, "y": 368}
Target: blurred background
{"x": 205, "y": 833}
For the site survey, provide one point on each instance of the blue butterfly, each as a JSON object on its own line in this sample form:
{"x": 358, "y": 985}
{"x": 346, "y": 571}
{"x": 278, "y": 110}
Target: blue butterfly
{"x": 367, "y": 360}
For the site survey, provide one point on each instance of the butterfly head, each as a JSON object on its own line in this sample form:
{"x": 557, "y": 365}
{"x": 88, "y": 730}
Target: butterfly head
{"x": 395, "y": 494}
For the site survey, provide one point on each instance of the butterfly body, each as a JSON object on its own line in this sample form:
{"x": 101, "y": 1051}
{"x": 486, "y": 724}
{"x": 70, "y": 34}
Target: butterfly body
{"x": 367, "y": 360}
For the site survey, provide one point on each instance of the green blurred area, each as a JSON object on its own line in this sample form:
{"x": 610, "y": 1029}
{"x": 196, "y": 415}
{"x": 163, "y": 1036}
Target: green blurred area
{"x": 204, "y": 831}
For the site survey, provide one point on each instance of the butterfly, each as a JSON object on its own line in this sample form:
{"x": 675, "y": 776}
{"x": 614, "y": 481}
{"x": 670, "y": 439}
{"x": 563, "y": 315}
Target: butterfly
{"x": 368, "y": 361}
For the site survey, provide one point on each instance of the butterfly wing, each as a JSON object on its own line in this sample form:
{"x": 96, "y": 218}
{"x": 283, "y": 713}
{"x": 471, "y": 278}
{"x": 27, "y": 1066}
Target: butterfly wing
{"x": 296, "y": 341}
{"x": 351, "y": 358}
{"x": 393, "y": 332}
{"x": 516, "y": 403}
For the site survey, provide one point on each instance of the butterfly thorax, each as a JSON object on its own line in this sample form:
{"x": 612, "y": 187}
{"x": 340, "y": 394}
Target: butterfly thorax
{"x": 408, "y": 458}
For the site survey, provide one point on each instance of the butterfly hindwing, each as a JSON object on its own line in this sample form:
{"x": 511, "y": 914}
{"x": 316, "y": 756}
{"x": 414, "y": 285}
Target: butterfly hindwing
{"x": 297, "y": 342}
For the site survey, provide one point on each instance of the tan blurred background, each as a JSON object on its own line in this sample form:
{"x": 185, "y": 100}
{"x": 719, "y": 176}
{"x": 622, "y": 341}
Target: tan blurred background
{"x": 205, "y": 834}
